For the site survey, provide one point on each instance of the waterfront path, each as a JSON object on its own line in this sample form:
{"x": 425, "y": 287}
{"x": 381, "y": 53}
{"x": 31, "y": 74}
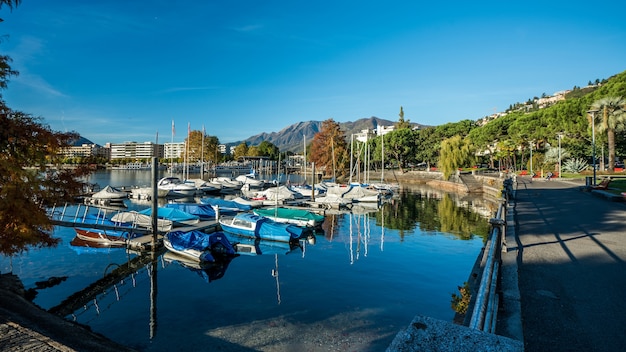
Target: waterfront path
{"x": 569, "y": 247}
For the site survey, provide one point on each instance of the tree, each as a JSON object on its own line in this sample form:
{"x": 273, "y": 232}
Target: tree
{"x": 240, "y": 151}
{"x": 27, "y": 185}
{"x": 400, "y": 144}
{"x": 329, "y": 149}
{"x": 268, "y": 149}
{"x": 612, "y": 115}
{"x": 202, "y": 152}
{"x": 401, "y": 122}
{"x": 456, "y": 152}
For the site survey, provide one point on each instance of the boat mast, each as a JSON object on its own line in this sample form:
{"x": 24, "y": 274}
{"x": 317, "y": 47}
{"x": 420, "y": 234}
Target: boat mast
{"x": 382, "y": 138}
{"x": 202, "y": 154}
{"x": 171, "y": 148}
{"x": 351, "y": 155}
{"x": 304, "y": 161}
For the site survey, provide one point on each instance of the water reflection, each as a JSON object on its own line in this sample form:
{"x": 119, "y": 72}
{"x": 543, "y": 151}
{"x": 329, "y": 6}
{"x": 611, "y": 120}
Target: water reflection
{"x": 208, "y": 271}
{"x": 325, "y": 288}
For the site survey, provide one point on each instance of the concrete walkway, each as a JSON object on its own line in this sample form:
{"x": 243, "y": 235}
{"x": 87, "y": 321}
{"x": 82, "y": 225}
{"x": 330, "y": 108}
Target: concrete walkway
{"x": 569, "y": 249}
{"x": 25, "y": 327}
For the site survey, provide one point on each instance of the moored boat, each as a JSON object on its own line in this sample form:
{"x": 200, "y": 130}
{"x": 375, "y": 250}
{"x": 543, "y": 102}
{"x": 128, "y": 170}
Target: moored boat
{"x": 299, "y": 217}
{"x": 225, "y": 204}
{"x": 257, "y": 246}
{"x": 110, "y": 193}
{"x": 135, "y": 219}
{"x": 104, "y": 237}
{"x": 176, "y": 187}
{"x": 203, "y": 211}
{"x": 252, "y": 225}
{"x": 198, "y": 245}
{"x": 176, "y": 216}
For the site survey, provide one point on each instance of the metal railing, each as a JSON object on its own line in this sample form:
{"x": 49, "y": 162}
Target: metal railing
{"x": 484, "y": 314}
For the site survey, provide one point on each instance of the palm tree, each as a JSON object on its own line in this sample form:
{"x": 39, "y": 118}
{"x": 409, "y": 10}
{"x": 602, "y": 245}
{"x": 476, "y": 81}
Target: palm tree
{"x": 613, "y": 118}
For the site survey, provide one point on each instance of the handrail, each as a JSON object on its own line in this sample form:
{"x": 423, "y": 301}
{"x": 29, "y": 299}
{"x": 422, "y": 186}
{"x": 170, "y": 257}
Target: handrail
{"x": 484, "y": 314}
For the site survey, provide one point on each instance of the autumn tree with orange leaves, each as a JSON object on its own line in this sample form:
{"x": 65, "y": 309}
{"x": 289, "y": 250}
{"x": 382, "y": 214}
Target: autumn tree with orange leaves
{"x": 329, "y": 150}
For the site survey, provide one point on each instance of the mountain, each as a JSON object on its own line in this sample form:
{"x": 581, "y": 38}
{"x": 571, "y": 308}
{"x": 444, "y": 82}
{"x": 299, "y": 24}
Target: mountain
{"x": 291, "y": 138}
{"x": 80, "y": 141}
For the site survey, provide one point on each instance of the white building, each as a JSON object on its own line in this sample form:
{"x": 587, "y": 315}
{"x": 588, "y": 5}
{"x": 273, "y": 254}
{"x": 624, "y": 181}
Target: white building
{"x": 134, "y": 150}
{"x": 174, "y": 150}
{"x": 85, "y": 150}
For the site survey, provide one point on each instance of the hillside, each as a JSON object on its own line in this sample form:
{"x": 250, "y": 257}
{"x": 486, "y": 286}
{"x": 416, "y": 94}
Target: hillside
{"x": 291, "y": 138}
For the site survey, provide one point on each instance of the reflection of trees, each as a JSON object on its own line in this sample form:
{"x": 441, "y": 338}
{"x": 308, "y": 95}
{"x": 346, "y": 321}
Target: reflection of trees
{"x": 414, "y": 209}
{"x": 330, "y": 225}
{"x": 459, "y": 221}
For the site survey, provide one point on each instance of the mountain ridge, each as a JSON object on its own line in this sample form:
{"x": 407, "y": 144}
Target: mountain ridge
{"x": 291, "y": 138}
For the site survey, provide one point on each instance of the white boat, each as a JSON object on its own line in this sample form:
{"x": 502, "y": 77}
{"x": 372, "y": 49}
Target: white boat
{"x": 135, "y": 219}
{"x": 204, "y": 187}
{"x": 250, "y": 182}
{"x": 306, "y": 191}
{"x": 276, "y": 194}
{"x": 146, "y": 193}
{"x": 229, "y": 184}
{"x": 332, "y": 201}
{"x": 176, "y": 187}
{"x": 110, "y": 193}
{"x": 247, "y": 201}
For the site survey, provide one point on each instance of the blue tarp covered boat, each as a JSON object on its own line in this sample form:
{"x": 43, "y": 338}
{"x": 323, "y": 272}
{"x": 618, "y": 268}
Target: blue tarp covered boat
{"x": 252, "y": 225}
{"x": 198, "y": 245}
{"x": 225, "y": 204}
{"x": 203, "y": 211}
{"x": 208, "y": 271}
{"x": 174, "y": 215}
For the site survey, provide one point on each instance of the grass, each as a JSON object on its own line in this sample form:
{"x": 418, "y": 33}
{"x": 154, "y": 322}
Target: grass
{"x": 617, "y": 186}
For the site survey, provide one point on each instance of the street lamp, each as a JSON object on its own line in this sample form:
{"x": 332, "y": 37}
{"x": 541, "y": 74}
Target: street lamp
{"x": 593, "y": 141}
{"x": 531, "y": 160}
{"x": 560, "y": 135}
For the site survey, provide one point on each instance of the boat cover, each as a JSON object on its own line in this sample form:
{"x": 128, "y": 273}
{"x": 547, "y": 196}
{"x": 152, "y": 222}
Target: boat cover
{"x": 225, "y": 204}
{"x": 109, "y": 192}
{"x": 216, "y": 242}
{"x": 171, "y": 214}
{"x": 204, "y": 211}
{"x": 290, "y": 214}
{"x": 272, "y": 230}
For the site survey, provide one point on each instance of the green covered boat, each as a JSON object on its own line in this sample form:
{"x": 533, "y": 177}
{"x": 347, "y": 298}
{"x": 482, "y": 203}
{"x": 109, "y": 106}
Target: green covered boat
{"x": 299, "y": 217}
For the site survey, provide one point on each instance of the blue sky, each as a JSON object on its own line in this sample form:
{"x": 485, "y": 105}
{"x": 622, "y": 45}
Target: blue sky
{"x": 118, "y": 71}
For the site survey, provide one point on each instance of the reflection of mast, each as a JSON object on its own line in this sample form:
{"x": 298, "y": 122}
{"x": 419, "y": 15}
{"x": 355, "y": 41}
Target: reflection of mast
{"x": 275, "y": 275}
{"x": 382, "y": 235}
{"x": 81, "y": 298}
{"x": 153, "y": 293}
{"x": 351, "y": 253}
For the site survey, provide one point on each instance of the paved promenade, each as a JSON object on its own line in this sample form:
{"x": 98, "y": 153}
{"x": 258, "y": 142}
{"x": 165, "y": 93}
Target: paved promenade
{"x": 570, "y": 250}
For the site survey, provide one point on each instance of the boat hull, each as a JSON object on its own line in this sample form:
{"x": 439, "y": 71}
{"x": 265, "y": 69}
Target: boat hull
{"x": 111, "y": 239}
{"x": 198, "y": 245}
{"x": 298, "y": 217}
{"x": 252, "y": 225}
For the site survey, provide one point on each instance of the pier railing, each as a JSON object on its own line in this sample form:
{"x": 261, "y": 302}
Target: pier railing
{"x": 72, "y": 215}
{"x": 484, "y": 314}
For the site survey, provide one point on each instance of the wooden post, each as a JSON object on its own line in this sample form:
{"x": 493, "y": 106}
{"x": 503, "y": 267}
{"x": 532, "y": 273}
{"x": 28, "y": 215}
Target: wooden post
{"x": 155, "y": 201}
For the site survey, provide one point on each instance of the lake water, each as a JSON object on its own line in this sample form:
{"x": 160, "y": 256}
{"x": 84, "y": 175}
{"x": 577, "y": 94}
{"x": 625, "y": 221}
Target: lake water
{"x": 364, "y": 279}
